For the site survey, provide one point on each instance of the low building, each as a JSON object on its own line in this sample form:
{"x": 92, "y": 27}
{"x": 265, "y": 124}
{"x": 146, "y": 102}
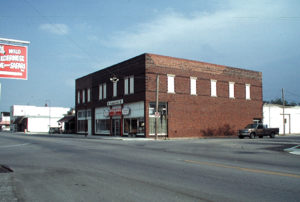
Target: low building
{"x": 67, "y": 123}
{"x": 195, "y": 98}
{"x": 26, "y": 118}
{"x": 4, "y": 121}
{"x": 287, "y": 122}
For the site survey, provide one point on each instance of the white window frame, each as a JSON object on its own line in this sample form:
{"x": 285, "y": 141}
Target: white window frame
{"x": 104, "y": 90}
{"x": 131, "y": 85}
{"x": 231, "y": 90}
{"x": 115, "y": 88}
{"x": 248, "y": 91}
{"x": 193, "y": 85}
{"x": 126, "y": 85}
{"x": 171, "y": 83}
{"x": 89, "y": 95}
{"x": 213, "y": 88}
{"x": 101, "y": 92}
{"x": 83, "y": 96}
{"x": 78, "y": 97}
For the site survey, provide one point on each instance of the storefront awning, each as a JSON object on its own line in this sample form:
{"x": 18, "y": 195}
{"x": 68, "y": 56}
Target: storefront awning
{"x": 66, "y": 119}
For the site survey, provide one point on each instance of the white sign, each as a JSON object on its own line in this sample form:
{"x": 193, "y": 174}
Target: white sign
{"x": 115, "y": 102}
{"x": 125, "y": 111}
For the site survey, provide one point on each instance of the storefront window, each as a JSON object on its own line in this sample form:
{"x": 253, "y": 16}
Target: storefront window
{"x": 82, "y": 125}
{"x": 162, "y": 124}
{"x": 103, "y": 126}
{"x": 134, "y": 126}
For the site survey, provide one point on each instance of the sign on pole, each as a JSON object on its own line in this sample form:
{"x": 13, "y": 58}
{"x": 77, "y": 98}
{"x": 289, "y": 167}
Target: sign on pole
{"x": 13, "y": 61}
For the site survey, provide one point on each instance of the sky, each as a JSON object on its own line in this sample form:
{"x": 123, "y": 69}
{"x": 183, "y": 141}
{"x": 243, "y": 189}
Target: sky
{"x": 72, "y": 38}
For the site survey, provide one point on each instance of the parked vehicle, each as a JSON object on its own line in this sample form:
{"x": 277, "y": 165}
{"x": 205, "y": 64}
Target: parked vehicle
{"x": 258, "y": 129}
{"x": 53, "y": 130}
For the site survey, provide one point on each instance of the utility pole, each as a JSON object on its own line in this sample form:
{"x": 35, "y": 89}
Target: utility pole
{"x": 156, "y": 107}
{"x": 283, "y": 106}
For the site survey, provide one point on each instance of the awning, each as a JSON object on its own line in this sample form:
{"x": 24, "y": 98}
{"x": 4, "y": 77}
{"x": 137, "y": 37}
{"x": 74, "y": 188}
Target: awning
{"x": 19, "y": 119}
{"x": 66, "y": 119}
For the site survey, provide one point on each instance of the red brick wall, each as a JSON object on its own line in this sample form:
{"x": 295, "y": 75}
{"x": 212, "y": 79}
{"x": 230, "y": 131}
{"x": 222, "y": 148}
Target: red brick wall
{"x": 189, "y": 115}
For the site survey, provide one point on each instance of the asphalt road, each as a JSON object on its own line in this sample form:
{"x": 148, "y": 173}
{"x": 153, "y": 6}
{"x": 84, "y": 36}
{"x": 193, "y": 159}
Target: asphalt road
{"x": 94, "y": 169}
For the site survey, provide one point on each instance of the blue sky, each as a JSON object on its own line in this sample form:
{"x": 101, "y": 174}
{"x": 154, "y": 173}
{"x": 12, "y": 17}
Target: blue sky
{"x": 71, "y": 38}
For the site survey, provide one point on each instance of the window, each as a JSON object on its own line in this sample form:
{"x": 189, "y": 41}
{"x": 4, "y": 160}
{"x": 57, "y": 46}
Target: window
{"x": 78, "y": 97}
{"x": 248, "y": 92}
{"x": 231, "y": 89}
{"x": 131, "y": 85}
{"x": 193, "y": 86}
{"x": 213, "y": 88}
{"x": 162, "y": 124}
{"x": 171, "y": 87}
{"x": 103, "y": 126}
{"x": 102, "y": 91}
{"x": 89, "y": 95}
{"x": 126, "y": 85}
{"x": 115, "y": 89}
{"x": 83, "y": 96}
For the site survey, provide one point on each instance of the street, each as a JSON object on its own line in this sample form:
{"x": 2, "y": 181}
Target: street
{"x": 76, "y": 168}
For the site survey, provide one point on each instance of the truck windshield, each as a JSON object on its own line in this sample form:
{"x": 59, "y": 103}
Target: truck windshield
{"x": 251, "y": 126}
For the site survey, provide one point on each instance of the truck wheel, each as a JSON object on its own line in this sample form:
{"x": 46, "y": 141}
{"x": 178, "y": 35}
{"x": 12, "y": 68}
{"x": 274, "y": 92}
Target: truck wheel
{"x": 272, "y": 135}
{"x": 252, "y": 136}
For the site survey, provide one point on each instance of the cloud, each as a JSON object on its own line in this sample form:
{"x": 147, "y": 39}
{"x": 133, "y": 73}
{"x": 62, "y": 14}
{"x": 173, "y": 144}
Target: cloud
{"x": 58, "y": 29}
{"x": 253, "y": 31}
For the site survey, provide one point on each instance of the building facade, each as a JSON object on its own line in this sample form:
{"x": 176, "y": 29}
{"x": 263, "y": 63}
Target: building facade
{"x": 25, "y": 118}
{"x": 287, "y": 124}
{"x": 193, "y": 97}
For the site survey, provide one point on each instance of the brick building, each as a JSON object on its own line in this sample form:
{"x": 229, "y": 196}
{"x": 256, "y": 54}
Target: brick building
{"x": 193, "y": 98}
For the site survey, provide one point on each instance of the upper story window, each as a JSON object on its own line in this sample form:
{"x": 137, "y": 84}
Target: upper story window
{"x": 78, "y": 97}
{"x": 193, "y": 81}
{"x": 171, "y": 83}
{"x": 89, "y": 95}
{"x": 126, "y": 85}
{"x": 131, "y": 78}
{"x": 83, "y": 96}
{"x": 129, "y": 85}
{"x": 102, "y": 91}
{"x": 231, "y": 89}
{"x": 248, "y": 96}
{"x": 115, "y": 88}
{"x": 213, "y": 88}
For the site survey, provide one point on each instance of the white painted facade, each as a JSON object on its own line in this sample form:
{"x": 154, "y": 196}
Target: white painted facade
{"x": 273, "y": 117}
{"x": 39, "y": 119}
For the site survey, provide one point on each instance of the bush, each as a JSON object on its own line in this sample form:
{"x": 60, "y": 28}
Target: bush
{"x": 225, "y": 130}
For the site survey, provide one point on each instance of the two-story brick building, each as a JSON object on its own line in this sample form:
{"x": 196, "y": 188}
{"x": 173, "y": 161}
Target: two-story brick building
{"x": 193, "y": 97}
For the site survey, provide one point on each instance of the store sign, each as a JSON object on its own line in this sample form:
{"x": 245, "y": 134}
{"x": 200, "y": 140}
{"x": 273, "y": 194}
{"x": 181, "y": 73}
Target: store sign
{"x": 106, "y": 112}
{"x": 115, "y": 102}
{"x": 125, "y": 111}
{"x": 13, "y": 61}
{"x": 115, "y": 112}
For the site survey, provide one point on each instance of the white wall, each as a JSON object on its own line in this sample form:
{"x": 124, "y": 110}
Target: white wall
{"x": 273, "y": 118}
{"x": 39, "y": 117}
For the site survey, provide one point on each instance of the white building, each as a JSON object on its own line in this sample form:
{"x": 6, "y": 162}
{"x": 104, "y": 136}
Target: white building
{"x": 35, "y": 119}
{"x": 273, "y": 117}
{"x": 4, "y": 121}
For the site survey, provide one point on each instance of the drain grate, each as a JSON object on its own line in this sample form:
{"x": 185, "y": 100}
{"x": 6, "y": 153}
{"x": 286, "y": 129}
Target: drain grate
{"x": 5, "y": 169}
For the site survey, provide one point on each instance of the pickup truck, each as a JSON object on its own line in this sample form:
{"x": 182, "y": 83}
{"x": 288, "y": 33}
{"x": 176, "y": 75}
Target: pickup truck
{"x": 258, "y": 129}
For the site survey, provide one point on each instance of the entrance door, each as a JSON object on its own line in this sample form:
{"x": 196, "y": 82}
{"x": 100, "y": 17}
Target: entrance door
{"x": 116, "y": 127}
